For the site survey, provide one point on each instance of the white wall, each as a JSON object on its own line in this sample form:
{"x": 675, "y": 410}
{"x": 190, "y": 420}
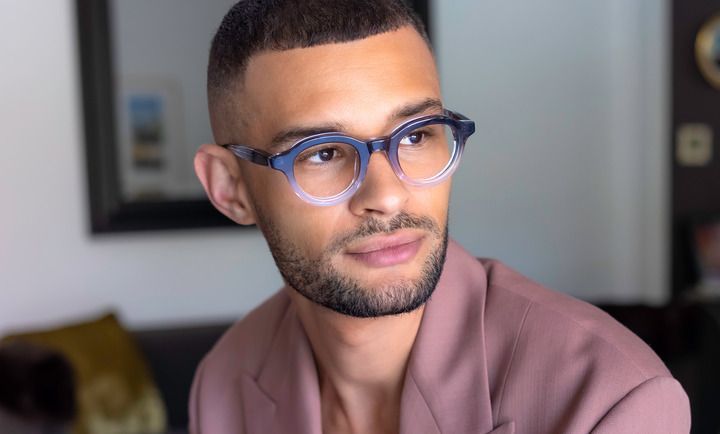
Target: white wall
{"x": 564, "y": 179}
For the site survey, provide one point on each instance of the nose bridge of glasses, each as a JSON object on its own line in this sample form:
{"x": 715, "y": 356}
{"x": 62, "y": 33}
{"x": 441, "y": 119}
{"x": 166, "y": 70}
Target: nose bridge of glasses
{"x": 382, "y": 144}
{"x": 377, "y": 145}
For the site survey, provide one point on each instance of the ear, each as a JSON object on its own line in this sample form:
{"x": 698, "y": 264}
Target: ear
{"x": 219, "y": 173}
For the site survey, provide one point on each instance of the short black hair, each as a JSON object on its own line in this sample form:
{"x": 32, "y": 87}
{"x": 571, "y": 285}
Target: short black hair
{"x": 252, "y": 26}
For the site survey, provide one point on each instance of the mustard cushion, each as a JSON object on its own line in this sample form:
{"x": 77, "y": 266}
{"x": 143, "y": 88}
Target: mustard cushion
{"x": 114, "y": 387}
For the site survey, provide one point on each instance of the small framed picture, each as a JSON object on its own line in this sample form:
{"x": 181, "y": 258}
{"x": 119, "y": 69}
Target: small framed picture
{"x": 147, "y": 129}
{"x": 151, "y": 139}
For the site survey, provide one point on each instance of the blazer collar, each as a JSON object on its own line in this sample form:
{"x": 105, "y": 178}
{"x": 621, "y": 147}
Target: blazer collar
{"x": 446, "y": 387}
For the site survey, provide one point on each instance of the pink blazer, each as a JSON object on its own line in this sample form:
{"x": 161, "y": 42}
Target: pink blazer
{"x": 495, "y": 353}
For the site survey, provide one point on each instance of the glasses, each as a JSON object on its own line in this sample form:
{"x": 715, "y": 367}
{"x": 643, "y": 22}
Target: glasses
{"x": 326, "y": 169}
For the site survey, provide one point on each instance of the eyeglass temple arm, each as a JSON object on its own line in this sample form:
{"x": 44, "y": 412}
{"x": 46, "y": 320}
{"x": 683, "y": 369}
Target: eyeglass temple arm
{"x": 249, "y": 154}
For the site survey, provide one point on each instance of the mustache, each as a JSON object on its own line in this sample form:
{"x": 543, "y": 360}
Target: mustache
{"x": 374, "y": 226}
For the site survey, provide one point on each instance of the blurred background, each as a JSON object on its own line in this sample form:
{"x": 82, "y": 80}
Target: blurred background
{"x": 591, "y": 171}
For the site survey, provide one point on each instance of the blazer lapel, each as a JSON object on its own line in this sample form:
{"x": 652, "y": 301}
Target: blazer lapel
{"x": 446, "y": 385}
{"x": 286, "y": 395}
{"x": 415, "y": 415}
{"x": 258, "y": 404}
{"x": 506, "y": 428}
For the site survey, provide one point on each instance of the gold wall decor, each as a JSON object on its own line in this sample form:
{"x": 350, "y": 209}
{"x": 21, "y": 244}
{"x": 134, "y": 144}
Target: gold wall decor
{"x": 707, "y": 51}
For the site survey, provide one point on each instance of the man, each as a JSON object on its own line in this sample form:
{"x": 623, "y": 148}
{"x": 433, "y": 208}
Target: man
{"x": 335, "y": 141}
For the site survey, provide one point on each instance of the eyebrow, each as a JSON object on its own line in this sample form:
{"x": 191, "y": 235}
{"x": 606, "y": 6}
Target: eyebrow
{"x": 287, "y": 137}
{"x": 417, "y": 108}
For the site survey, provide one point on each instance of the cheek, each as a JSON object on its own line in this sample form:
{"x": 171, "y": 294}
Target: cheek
{"x": 313, "y": 228}
{"x": 308, "y": 227}
{"x": 433, "y": 202}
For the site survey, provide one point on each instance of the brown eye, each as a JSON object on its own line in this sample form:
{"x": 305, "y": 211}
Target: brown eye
{"x": 320, "y": 156}
{"x": 414, "y": 138}
{"x": 326, "y": 155}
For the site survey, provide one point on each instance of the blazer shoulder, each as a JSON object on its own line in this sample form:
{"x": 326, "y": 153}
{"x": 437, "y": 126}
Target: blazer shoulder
{"x": 542, "y": 343}
{"x": 578, "y": 321}
{"x": 659, "y": 405}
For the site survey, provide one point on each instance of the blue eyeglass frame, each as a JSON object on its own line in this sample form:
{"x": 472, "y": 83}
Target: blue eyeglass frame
{"x": 461, "y": 126}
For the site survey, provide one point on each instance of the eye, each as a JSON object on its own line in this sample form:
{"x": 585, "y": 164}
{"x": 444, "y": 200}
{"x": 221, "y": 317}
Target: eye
{"x": 323, "y": 155}
{"x": 414, "y": 138}
{"x": 320, "y": 156}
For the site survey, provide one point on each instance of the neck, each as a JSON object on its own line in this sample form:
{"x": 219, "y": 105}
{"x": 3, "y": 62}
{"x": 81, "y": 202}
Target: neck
{"x": 361, "y": 365}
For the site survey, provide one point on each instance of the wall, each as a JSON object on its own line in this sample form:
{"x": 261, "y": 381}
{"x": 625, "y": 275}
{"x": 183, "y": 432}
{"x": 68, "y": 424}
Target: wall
{"x": 564, "y": 179}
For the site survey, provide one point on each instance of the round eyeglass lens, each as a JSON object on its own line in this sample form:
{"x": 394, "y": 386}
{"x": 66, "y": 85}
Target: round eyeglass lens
{"x": 427, "y": 151}
{"x": 326, "y": 170}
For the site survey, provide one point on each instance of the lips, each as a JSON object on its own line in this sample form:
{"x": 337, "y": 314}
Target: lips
{"x": 387, "y": 250}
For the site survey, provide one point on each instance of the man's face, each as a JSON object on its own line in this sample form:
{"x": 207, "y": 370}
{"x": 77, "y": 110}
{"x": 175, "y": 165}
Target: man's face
{"x": 381, "y": 251}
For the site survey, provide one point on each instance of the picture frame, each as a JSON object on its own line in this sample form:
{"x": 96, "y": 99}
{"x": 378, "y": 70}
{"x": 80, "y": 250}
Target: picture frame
{"x": 130, "y": 129}
{"x": 707, "y": 51}
{"x": 152, "y": 152}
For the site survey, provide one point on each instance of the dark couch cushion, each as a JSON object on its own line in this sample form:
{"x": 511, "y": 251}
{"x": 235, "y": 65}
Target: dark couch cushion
{"x": 173, "y": 355}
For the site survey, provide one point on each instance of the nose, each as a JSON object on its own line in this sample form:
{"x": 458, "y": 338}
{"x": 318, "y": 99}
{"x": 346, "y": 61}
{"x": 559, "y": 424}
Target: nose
{"x": 382, "y": 193}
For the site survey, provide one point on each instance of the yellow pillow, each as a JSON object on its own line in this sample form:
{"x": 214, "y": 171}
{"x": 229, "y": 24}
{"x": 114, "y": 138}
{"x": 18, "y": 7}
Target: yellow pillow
{"x": 114, "y": 387}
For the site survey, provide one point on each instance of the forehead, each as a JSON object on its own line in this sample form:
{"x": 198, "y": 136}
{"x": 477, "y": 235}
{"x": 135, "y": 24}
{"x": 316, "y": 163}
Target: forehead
{"x": 358, "y": 84}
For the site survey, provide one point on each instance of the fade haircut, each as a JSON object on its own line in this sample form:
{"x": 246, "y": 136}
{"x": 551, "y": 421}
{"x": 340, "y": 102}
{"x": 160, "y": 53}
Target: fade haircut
{"x": 252, "y": 26}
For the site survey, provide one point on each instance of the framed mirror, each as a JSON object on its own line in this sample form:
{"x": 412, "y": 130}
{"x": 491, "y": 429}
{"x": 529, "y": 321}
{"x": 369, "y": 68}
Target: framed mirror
{"x": 145, "y": 110}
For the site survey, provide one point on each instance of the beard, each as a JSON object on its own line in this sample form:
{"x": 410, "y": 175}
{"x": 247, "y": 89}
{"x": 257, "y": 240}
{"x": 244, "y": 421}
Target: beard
{"x": 318, "y": 281}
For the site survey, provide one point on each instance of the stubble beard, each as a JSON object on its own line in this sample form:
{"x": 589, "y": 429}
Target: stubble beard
{"x": 317, "y": 280}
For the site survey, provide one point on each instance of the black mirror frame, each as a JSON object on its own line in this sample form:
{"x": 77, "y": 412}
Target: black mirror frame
{"x": 108, "y": 211}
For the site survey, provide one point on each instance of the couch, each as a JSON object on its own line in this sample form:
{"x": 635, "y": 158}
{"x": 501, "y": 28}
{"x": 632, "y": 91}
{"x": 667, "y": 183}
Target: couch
{"x": 38, "y": 383}
{"x": 173, "y": 354}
